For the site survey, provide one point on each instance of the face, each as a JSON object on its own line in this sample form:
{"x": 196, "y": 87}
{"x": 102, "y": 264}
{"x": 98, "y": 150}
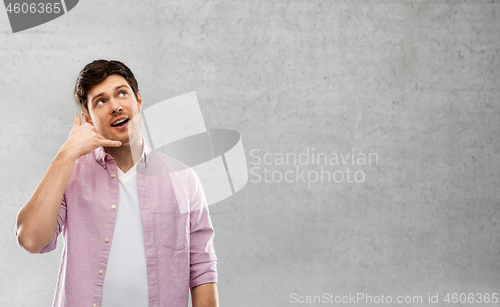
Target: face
{"x": 114, "y": 110}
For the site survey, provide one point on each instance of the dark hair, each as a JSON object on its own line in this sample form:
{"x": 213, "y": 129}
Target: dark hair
{"x": 96, "y": 72}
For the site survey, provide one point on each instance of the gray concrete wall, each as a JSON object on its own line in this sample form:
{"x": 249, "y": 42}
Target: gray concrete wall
{"x": 416, "y": 83}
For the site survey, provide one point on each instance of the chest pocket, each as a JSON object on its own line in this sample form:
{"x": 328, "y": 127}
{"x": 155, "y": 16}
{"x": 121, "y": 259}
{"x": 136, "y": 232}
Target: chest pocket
{"x": 172, "y": 229}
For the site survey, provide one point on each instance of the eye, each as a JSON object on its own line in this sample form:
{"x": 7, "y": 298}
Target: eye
{"x": 122, "y": 94}
{"x": 99, "y": 102}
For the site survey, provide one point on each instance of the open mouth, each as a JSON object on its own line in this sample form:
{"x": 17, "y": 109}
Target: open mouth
{"x": 120, "y": 123}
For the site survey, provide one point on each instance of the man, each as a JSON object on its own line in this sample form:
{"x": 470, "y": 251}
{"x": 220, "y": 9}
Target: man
{"x": 135, "y": 223}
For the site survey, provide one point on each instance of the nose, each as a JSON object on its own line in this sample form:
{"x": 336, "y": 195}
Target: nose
{"x": 115, "y": 106}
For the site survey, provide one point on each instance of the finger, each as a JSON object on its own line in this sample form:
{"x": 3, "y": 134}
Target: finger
{"x": 109, "y": 143}
{"x": 77, "y": 122}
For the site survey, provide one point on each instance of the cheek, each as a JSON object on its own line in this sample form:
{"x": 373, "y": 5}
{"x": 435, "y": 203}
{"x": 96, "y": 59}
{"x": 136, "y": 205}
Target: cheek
{"x": 99, "y": 126}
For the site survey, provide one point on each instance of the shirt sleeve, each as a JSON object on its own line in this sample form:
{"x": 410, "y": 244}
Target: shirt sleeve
{"x": 61, "y": 219}
{"x": 202, "y": 253}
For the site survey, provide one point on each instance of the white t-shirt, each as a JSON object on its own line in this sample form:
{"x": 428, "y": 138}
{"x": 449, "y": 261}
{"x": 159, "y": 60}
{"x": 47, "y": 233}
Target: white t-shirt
{"x": 125, "y": 283}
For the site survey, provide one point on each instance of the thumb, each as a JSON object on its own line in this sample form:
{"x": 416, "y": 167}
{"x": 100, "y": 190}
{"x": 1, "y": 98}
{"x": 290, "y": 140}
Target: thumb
{"x": 78, "y": 122}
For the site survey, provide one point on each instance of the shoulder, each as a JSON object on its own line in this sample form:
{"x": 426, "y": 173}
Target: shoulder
{"x": 171, "y": 165}
{"x": 182, "y": 176}
{"x": 86, "y": 165}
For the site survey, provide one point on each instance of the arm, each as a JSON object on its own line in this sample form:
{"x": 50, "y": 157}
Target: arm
{"x": 205, "y": 295}
{"x": 203, "y": 264}
{"x": 37, "y": 219}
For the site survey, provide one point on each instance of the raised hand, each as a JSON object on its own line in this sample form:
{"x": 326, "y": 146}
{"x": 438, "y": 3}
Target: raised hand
{"x": 83, "y": 139}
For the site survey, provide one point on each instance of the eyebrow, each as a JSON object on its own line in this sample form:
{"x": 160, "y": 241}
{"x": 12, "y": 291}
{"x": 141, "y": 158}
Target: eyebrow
{"x": 115, "y": 89}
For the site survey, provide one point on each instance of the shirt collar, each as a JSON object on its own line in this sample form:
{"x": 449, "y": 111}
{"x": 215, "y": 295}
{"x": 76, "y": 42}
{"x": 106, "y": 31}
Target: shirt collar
{"x": 101, "y": 156}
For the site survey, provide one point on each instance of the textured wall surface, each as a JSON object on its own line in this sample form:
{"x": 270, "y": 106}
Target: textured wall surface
{"x": 416, "y": 83}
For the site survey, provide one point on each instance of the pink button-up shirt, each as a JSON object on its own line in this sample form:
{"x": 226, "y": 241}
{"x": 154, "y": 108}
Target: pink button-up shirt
{"x": 178, "y": 233}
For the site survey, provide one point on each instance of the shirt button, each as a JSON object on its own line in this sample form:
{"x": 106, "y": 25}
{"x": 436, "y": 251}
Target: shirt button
{"x": 100, "y": 272}
{"x": 113, "y": 175}
{"x": 94, "y": 305}
{"x": 102, "y": 163}
{"x": 106, "y": 240}
{"x": 108, "y": 158}
{"x": 113, "y": 207}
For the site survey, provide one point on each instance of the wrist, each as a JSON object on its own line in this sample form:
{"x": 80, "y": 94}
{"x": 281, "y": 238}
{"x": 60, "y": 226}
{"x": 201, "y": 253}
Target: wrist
{"x": 66, "y": 155}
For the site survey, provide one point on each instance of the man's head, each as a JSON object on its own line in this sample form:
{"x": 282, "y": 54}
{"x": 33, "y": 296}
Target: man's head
{"x": 96, "y": 72}
{"x": 108, "y": 95}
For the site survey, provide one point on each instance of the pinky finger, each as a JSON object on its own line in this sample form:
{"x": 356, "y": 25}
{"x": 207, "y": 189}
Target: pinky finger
{"x": 109, "y": 143}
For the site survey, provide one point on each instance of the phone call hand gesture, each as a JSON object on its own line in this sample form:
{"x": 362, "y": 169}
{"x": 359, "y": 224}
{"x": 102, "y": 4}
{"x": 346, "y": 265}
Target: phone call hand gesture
{"x": 84, "y": 139}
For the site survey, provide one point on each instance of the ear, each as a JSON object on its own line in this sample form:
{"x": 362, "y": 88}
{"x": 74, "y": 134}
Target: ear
{"x": 86, "y": 118}
{"x": 139, "y": 101}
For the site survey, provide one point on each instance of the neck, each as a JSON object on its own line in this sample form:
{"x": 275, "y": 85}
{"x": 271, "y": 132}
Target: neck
{"x": 127, "y": 155}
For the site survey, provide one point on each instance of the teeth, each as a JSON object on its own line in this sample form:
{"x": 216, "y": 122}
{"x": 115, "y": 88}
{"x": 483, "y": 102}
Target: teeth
{"x": 120, "y": 121}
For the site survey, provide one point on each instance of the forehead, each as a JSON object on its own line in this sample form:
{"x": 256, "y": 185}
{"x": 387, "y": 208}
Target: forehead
{"x": 107, "y": 86}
